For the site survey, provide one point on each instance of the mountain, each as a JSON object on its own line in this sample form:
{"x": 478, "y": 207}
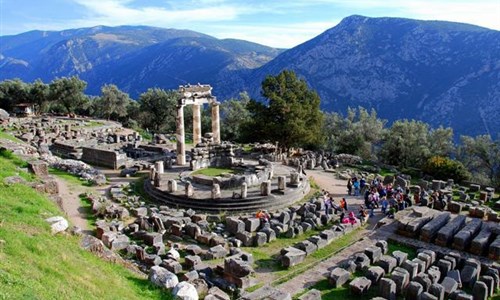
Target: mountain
{"x": 134, "y": 57}
{"x": 443, "y": 73}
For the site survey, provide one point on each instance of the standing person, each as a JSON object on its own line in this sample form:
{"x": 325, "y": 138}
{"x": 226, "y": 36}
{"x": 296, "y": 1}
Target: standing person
{"x": 349, "y": 187}
{"x": 345, "y": 203}
{"x": 355, "y": 184}
{"x": 384, "y": 205}
{"x": 328, "y": 204}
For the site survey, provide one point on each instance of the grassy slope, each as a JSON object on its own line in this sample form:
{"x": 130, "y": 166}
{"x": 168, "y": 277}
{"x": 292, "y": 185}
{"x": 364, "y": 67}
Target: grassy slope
{"x": 37, "y": 265}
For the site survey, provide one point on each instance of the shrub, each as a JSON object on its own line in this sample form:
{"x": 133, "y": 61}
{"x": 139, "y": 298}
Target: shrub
{"x": 445, "y": 168}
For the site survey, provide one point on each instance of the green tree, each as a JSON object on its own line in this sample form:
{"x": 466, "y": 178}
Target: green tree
{"x": 39, "y": 94}
{"x": 445, "y": 168}
{"x": 12, "y": 92}
{"x": 234, "y": 114}
{"x": 68, "y": 92}
{"x": 291, "y": 115}
{"x": 112, "y": 103}
{"x": 158, "y": 109}
{"x": 406, "y": 144}
{"x": 441, "y": 142}
{"x": 481, "y": 156}
{"x": 359, "y": 133}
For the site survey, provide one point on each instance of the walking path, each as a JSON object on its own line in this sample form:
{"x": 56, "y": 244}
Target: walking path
{"x": 368, "y": 237}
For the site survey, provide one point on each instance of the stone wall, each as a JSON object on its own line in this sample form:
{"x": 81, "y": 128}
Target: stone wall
{"x": 104, "y": 158}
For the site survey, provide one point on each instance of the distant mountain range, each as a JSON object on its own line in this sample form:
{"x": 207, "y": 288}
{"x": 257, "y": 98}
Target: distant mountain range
{"x": 443, "y": 73}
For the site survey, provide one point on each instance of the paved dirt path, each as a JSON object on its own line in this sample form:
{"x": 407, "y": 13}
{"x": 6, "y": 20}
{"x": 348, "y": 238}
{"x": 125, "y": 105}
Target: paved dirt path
{"x": 338, "y": 188}
{"x": 71, "y": 203}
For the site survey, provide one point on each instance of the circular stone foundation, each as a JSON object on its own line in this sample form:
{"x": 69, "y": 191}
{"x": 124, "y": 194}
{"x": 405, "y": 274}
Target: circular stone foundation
{"x": 230, "y": 197}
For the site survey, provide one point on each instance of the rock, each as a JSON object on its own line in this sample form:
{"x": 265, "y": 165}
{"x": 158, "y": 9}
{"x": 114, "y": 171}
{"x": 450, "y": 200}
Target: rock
{"x": 383, "y": 246}
{"x": 388, "y": 289}
{"x": 374, "y": 254}
{"x": 388, "y": 263}
{"x": 192, "y": 260}
{"x": 120, "y": 242}
{"x": 414, "y": 290}
{"x": 217, "y": 252}
{"x": 237, "y": 267}
{"x": 57, "y": 224}
{"x": 194, "y": 249}
{"x": 172, "y": 266}
{"x": 292, "y": 256}
{"x": 463, "y": 238}
{"x": 445, "y": 234}
{"x": 252, "y": 224}
{"x": 437, "y": 290}
{"x": 428, "y": 296}
{"x": 480, "y": 291}
{"x": 450, "y": 285}
{"x": 424, "y": 280}
{"x": 374, "y": 274}
{"x": 361, "y": 261}
{"x": 427, "y": 259}
{"x": 318, "y": 241}
{"x": 311, "y": 295}
{"x": 217, "y": 294}
{"x": 444, "y": 266}
{"x": 307, "y": 247}
{"x": 185, "y": 291}
{"x": 455, "y": 274}
{"x": 190, "y": 276}
{"x": 434, "y": 274}
{"x": 271, "y": 234}
{"x": 338, "y": 277}
{"x": 400, "y": 257}
{"x": 411, "y": 267}
{"x": 245, "y": 237}
{"x": 401, "y": 277}
{"x": 259, "y": 239}
{"x": 39, "y": 168}
{"x": 359, "y": 285}
{"x": 173, "y": 254}
{"x": 162, "y": 277}
{"x": 490, "y": 283}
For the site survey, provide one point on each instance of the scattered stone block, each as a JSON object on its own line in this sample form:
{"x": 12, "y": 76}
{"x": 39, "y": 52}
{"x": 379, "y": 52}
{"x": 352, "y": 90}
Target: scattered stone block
{"x": 463, "y": 238}
{"x": 361, "y": 261}
{"x": 260, "y": 239}
{"x": 374, "y": 254}
{"x": 490, "y": 283}
{"x": 234, "y": 225}
{"x": 411, "y": 267}
{"x": 311, "y": 295}
{"x": 445, "y": 234}
{"x": 430, "y": 230}
{"x": 424, "y": 280}
{"x": 400, "y": 257}
{"x": 185, "y": 291}
{"x": 374, "y": 274}
{"x": 425, "y": 258}
{"x": 402, "y": 279}
{"x": 292, "y": 256}
{"x": 455, "y": 274}
{"x": 162, "y": 277}
{"x": 437, "y": 290}
{"x": 480, "y": 291}
{"x": 388, "y": 289}
{"x": 217, "y": 252}
{"x": 444, "y": 266}
{"x": 388, "y": 263}
{"x": 307, "y": 247}
{"x": 383, "y": 246}
{"x": 450, "y": 285}
{"x": 338, "y": 277}
{"x": 359, "y": 285}
{"x": 414, "y": 290}
{"x": 252, "y": 224}
{"x": 318, "y": 241}
{"x": 434, "y": 274}
{"x": 428, "y": 296}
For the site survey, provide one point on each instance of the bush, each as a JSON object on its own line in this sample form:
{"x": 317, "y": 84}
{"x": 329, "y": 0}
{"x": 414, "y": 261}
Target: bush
{"x": 445, "y": 168}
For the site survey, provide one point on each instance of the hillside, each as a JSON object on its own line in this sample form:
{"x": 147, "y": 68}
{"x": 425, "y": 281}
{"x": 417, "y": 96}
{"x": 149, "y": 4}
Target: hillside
{"x": 135, "y": 57}
{"x": 34, "y": 264}
{"x": 441, "y": 72}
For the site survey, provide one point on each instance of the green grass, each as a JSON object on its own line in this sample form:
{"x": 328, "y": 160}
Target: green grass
{"x": 5, "y": 135}
{"x": 68, "y": 177}
{"x": 393, "y": 246}
{"x": 34, "y": 264}
{"x": 138, "y": 188}
{"x": 214, "y": 171}
{"x": 86, "y": 205}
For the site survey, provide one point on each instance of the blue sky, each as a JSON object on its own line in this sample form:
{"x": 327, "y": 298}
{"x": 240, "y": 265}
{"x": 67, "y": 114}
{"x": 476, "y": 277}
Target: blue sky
{"x": 277, "y": 23}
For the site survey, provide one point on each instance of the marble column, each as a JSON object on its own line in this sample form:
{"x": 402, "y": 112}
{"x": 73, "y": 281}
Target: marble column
{"x": 181, "y": 146}
{"x": 196, "y": 124}
{"x": 216, "y": 123}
